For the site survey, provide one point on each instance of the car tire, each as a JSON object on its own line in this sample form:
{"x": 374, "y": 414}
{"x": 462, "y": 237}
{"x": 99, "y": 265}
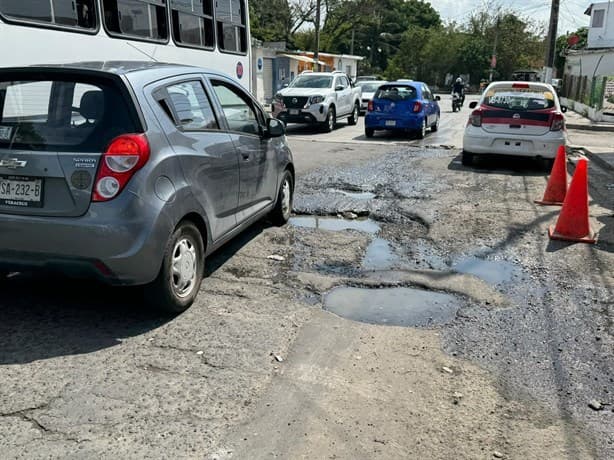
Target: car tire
{"x": 178, "y": 282}
{"x": 421, "y": 133}
{"x": 369, "y": 132}
{"x": 285, "y": 197}
{"x": 467, "y": 159}
{"x": 353, "y": 119}
{"x": 435, "y": 126}
{"x": 330, "y": 122}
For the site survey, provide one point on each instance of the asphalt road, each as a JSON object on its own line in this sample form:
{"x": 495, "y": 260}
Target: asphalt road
{"x": 513, "y": 335}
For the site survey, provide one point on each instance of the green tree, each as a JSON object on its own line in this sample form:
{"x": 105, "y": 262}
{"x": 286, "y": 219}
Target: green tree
{"x": 563, "y": 46}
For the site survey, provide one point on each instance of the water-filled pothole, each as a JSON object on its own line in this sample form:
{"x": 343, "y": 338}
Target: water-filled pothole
{"x": 379, "y": 255}
{"x": 493, "y": 272}
{"x": 335, "y": 223}
{"x": 356, "y": 195}
{"x": 393, "y": 307}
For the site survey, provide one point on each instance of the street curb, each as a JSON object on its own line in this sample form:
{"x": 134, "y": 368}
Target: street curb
{"x": 589, "y": 127}
{"x": 595, "y": 157}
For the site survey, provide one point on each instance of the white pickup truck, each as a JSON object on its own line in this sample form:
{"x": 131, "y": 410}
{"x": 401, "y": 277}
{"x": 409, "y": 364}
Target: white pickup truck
{"x": 319, "y": 98}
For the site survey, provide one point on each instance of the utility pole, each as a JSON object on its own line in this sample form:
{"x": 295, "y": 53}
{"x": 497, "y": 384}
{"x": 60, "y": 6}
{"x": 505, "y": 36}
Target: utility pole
{"x": 493, "y": 58}
{"x": 551, "y": 49}
{"x": 316, "y": 54}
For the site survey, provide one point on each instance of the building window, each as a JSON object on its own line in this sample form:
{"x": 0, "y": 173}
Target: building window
{"x": 193, "y": 23}
{"x": 598, "y": 16}
{"x": 79, "y": 14}
{"x": 143, "y": 19}
{"x": 231, "y": 30}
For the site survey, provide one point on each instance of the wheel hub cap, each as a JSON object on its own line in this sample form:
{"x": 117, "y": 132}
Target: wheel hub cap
{"x": 184, "y": 267}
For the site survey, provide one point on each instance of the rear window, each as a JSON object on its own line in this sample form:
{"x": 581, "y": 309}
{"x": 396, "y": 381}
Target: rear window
{"x": 519, "y": 99}
{"x": 62, "y": 115}
{"x": 396, "y": 93}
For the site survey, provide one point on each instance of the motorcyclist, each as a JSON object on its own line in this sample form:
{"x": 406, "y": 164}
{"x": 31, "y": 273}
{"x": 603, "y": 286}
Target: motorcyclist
{"x": 459, "y": 88}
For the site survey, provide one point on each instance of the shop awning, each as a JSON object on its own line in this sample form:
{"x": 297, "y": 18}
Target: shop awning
{"x": 307, "y": 59}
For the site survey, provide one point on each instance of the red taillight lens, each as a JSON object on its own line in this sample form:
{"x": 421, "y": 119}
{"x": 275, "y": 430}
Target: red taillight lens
{"x": 417, "y": 107}
{"x": 475, "y": 119}
{"x": 558, "y": 122}
{"x": 520, "y": 85}
{"x": 125, "y": 155}
{"x": 370, "y": 106}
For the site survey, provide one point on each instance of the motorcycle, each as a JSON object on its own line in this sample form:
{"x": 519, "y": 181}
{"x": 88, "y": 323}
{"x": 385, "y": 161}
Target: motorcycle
{"x": 457, "y": 102}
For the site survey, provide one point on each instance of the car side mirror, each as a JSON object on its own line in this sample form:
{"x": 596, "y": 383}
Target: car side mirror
{"x": 437, "y": 98}
{"x": 275, "y": 128}
{"x": 473, "y": 104}
{"x": 563, "y": 108}
{"x": 339, "y": 88}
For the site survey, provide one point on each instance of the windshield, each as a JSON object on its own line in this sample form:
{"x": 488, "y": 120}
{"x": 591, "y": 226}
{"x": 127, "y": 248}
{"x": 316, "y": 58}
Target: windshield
{"x": 396, "y": 93}
{"x": 520, "y": 99}
{"x": 312, "y": 81}
{"x": 369, "y": 87}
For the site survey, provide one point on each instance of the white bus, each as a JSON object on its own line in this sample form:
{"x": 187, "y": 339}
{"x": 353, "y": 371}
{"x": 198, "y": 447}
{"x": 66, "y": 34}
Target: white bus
{"x": 207, "y": 33}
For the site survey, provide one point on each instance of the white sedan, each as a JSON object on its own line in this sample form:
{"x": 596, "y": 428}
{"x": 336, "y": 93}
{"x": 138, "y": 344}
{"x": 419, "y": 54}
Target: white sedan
{"x": 368, "y": 90}
{"x": 515, "y": 118}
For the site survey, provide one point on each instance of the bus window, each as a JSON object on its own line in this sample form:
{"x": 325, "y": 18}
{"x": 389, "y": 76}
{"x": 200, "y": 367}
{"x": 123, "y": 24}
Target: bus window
{"x": 142, "y": 19}
{"x": 193, "y": 23}
{"x": 231, "y": 31}
{"x": 67, "y": 13}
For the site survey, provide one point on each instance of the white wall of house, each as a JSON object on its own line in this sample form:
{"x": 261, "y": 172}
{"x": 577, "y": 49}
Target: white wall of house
{"x": 601, "y": 26}
{"x": 592, "y": 63}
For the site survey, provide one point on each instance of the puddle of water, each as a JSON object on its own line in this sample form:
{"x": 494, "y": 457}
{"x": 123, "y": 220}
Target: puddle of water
{"x": 379, "y": 256}
{"x": 335, "y": 224}
{"x": 493, "y": 272}
{"x": 393, "y": 307}
{"x": 356, "y": 195}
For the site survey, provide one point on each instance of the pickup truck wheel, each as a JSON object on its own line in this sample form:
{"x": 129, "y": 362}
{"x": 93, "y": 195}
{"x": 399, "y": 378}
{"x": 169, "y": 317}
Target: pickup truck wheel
{"x": 330, "y": 122}
{"x": 353, "y": 119}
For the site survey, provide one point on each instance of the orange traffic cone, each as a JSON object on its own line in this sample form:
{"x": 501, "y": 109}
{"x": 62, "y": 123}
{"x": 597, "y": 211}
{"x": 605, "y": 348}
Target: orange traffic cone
{"x": 557, "y": 184}
{"x": 572, "y": 224}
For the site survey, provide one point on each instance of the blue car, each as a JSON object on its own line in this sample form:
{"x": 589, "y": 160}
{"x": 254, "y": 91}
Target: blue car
{"x": 407, "y": 106}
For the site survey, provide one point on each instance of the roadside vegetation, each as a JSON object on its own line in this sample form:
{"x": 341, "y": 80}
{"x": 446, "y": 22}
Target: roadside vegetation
{"x": 408, "y": 39}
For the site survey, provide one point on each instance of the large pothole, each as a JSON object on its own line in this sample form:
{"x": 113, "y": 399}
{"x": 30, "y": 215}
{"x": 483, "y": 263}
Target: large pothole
{"x": 400, "y": 306}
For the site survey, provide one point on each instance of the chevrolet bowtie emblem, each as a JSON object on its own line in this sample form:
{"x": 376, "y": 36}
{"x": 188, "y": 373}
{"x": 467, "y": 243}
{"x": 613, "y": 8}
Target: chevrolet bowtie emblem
{"x": 13, "y": 163}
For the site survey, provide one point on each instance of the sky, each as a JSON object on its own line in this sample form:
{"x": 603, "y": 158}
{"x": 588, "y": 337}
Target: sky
{"x": 571, "y": 13}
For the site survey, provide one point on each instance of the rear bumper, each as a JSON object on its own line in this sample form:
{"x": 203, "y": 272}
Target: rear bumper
{"x": 545, "y": 146}
{"x": 376, "y": 121}
{"x": 120, "y": 245}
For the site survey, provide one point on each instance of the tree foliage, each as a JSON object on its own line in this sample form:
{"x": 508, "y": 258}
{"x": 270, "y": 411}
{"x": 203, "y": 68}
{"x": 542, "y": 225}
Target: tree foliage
{"x": 405, "y": 38}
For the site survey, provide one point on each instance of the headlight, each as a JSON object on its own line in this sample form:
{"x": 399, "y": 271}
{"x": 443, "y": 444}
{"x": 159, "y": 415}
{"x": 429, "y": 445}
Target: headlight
{"x": 278, "y": 97}
{"x": 316, "y": 99}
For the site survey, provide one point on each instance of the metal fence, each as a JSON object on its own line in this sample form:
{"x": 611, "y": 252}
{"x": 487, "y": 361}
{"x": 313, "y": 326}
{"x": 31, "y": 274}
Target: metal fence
{"x": 596, "y": 92}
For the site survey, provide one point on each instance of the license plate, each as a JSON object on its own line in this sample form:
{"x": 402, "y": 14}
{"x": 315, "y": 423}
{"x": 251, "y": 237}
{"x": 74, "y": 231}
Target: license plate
{"x": 391, "y": 122}
{"x": 294, "y": 111}
{"x": 21, "y": 191}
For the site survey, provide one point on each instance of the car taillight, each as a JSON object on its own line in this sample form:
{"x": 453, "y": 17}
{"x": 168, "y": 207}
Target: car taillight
{"x": 520, "y": 85}
{"x": 370, "y": 106}
{"x": 475, "y": 119}
{"x": 417, "y": 107}
{"x": 558, "y": 122}
{"x": 124, "y": 156}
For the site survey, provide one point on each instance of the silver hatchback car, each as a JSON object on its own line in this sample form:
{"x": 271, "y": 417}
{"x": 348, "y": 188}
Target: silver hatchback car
{"x": 133, "y": 172}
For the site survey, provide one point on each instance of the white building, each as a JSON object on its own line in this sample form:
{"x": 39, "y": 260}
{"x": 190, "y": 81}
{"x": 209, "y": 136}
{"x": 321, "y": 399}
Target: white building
{"x": 601, "y": 28}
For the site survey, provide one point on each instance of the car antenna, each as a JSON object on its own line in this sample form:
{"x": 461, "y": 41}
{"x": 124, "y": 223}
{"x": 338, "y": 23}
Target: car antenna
{"x": 143, "y": 52}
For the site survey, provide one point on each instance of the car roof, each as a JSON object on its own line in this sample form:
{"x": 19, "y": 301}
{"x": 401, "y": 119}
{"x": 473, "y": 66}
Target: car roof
{"x": 530, "y": 84}
{"x": 149, "y": 70}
